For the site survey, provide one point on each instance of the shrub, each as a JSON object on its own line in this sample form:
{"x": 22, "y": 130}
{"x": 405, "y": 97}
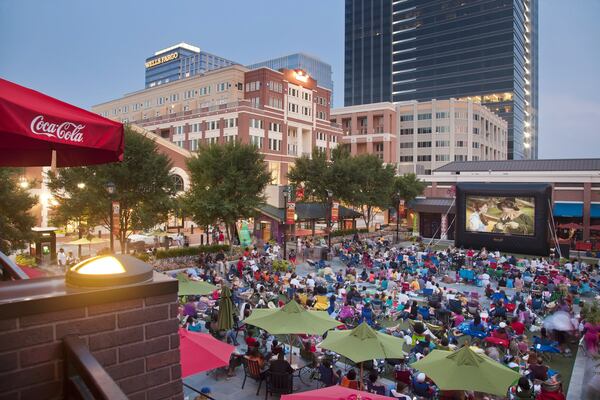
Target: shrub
{"x": 281, "y": 265}
{"x": 191, "y": 251}
{"x": 347, "y": 232}
{"x": 145, "y": 257}
{"x": 26, "y": 260}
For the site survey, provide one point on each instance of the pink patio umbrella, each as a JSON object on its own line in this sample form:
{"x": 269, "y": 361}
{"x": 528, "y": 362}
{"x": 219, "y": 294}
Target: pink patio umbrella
{"x": 334, "y": 393}
{"x": 201, "y": 352}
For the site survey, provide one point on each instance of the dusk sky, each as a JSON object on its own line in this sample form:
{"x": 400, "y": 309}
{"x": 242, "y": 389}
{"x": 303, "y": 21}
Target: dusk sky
{"x": 87, "y": 52}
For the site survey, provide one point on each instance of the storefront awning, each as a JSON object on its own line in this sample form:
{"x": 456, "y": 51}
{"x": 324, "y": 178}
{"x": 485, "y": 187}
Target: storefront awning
{"x": 595, "y": 211}
{"x": 433, "y": 205}
{"x": 568, "y": 209}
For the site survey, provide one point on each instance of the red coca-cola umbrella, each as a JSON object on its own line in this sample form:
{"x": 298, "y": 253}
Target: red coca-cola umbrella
{"x": 33, "y": 125}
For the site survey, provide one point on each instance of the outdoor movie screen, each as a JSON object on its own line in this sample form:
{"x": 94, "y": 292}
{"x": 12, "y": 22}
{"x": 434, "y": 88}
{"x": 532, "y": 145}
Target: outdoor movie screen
{"x": 500, "y": 215}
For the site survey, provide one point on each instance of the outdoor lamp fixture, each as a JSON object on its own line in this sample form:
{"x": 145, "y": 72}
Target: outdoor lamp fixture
{"x": 111, "y": 189}
{"x": 104, "y": 271}
{"x": 398, "y": 198}
{"x": 81, "y": 185}
{"x": 23, "y": 183}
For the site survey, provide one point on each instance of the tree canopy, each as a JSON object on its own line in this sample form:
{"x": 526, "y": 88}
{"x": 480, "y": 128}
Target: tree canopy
{"x": 227, "y": 183}
{"x": 144, "y": 187}
{"x": 408, "y": 187}
{"x": 15, "y": 220}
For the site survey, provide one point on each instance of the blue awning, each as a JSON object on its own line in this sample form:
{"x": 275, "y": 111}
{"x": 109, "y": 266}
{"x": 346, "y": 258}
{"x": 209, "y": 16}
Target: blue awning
{"x": 568, "y": 209}
{"x": 595, "y": 211}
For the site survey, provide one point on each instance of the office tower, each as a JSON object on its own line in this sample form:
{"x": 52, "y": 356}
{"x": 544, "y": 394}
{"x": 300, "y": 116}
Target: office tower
{"x": 180, "y": 61}
{"x": 479, "y": 50}
{"x": 319, "y": 70}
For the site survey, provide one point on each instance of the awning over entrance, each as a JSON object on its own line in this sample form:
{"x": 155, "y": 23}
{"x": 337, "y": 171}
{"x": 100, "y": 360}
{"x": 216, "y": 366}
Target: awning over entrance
{"x": 595, "y": 211}
{"x": 568, "y": 209}
{"x": 433, "y": 205}
{"x": 307, "y": 212}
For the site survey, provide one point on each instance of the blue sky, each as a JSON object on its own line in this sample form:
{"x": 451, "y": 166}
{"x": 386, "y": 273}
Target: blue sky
{"x": 87, "y": 52}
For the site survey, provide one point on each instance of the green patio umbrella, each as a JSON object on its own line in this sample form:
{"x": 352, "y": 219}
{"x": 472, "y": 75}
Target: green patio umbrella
{"x": 466, "y": 370}
{"x": 291, "y": 319}
{"x": 363, "y": 343}
{"x": 188, "y": 287}
{"x": 225, "y": 320}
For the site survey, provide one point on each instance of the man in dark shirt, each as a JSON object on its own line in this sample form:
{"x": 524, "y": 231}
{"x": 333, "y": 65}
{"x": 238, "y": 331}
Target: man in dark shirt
{"x": 280, "y": 365}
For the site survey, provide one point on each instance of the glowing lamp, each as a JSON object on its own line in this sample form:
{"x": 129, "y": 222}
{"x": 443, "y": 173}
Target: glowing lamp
{"x": 300, "y": 75}
{"x": 111, "y": 270}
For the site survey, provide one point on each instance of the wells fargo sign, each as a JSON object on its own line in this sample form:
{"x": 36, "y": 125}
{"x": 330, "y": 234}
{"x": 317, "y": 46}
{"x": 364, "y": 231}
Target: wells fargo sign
{"x": 162, "y": 60}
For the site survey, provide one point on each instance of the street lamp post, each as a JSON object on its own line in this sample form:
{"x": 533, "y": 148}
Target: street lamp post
{"x": 286, "y": 193}
{"x": 110, "y": 188}
{"x": 329, "y": 207}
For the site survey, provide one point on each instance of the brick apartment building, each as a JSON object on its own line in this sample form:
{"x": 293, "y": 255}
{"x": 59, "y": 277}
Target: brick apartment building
{"x": 284, "y": 113}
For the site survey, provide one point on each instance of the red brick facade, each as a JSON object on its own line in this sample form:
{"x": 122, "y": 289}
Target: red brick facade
{"x": 135, "y": 340}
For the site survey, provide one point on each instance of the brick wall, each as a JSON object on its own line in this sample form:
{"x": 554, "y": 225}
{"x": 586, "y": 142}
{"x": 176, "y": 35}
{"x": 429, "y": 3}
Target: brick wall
{"x": 135, "y": 340}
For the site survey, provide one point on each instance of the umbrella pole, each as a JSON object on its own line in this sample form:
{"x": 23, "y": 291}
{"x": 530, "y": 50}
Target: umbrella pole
{"x": 290, "y": 342}
{"x": 361, "y": 376}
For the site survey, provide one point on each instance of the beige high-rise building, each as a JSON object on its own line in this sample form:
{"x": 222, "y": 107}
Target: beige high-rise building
{"x": 422, "y": 136}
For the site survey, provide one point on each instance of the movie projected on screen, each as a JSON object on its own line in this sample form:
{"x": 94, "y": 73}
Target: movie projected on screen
{"x": 500, "y": 215}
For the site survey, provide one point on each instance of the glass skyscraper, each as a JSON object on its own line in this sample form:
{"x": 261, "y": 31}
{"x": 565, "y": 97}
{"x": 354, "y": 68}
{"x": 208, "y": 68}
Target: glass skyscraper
{"x": 317, "y": 69}
{"x": 486, "y": 50}
{"x": 181, "y": 61}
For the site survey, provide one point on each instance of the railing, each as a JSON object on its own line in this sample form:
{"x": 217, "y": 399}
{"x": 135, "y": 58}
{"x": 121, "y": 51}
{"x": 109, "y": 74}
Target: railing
{"x": 10, "y": 270}
{"x": 84, "y": 377}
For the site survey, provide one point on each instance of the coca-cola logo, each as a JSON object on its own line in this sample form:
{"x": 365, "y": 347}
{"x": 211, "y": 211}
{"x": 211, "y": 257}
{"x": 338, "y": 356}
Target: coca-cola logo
{"x": 68, "y": 131}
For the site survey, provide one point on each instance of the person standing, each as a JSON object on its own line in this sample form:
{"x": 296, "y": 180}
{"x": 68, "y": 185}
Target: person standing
{"x": 61, "y": 258}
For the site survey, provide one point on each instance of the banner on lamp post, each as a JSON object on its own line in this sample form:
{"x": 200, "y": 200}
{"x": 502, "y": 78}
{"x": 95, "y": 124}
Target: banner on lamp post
{"x": 290, "y": 213}
{"x": 116, "y": 221}
{"x": 335, "y": 211}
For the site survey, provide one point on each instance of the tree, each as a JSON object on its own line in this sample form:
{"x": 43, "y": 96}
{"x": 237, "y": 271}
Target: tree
{"x": 15, "y": 220}
{"x": 371, "y": 184}
{"x": 227, "y": 184}
{"x": 143, "y": 183}
{"x": 314, "y": 174}
{"x": 408, "y": 187}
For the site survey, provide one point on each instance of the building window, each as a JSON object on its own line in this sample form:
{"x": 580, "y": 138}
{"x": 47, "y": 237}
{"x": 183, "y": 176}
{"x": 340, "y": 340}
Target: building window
{"x": 174, "y": 97}
{"x": 204, "y": 90}
{"x": 293, "y": 107}
{"x": 179, "y": 130}
{"x": 406, "y": 145}
{"x": 274, "y": 171}
{"x": 321, "y": 115}
{"x": 274, "y": 127}
{"x": 442, "y": 115}
{"x": 275, "y": 86}
{"x": 476, "y": 117}
{"x": 426, "y": 129}
{"x": 256, "y": 123}
{"x": 255, "y": 101}
{"x": 276, "y": 102}
{"x": 178, "y": 183}
{"x": 460, "y": 115}
{"x": 293, "y": 92}
{"x": 406, "y": 131}
{"x": 442, "y": 143}
{"x": 424, "y": 158}
{"x": 423, "y": 144}
{"x": 212, "y": 125}
{"x": 442, "y": 157}
{"x": 460, "y": 157}
{"x": 442, "y": 129}
{"x": 252, "y": 86}
{"x": 424, "y": 116}
{"x": 221, "y": 87}
{"x": 460, "y": 143}
{"x": 231, "y": 122}
{"x": 475, "y": 145}
{"x": 475, "y": 131}
{"x": 406, "y": 158}
{"x": 407, "y": 117}
{"x": 274, "y": 144}
{"x": 194, "y": 145}
{"x": 256, "y": 141}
